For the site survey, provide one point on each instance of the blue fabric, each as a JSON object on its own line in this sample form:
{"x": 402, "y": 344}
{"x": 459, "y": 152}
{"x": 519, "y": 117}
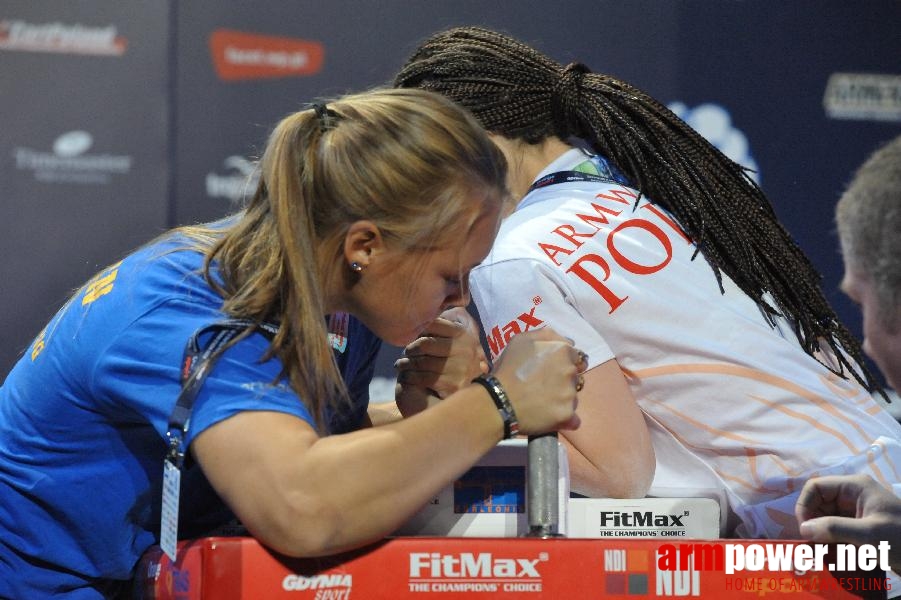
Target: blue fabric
{"x": 83, "y": 417}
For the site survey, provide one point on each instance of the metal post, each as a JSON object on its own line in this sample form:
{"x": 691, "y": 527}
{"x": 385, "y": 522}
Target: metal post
{"x": 543, "y": 486}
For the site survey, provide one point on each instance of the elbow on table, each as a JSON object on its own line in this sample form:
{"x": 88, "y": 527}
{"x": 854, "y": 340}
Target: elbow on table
{"x": 638, "y": 476}
{"x": 630, "y": 478}
{"x": 634, "y": 484}
{"x": 307, "y": 529}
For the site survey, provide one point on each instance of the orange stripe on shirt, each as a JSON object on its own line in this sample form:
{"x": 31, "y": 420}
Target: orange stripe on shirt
{"x": 748, "y": 483}
{"x": 703, "y": 426}
{"x": 810, "y": 420}
{"x": 755, "y": 476}
{"x": 854, "y": 393}
{"x": 754, "y": 375}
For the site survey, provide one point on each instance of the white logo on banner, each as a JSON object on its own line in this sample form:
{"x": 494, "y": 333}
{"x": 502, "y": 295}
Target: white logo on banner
{"x": 73, "y": 143}
{"x": 337, "y": 585}
{"x": 236, "y": 185}
{"x": 60, "y": 37}
{"x": 69, "y": 161}
{"x": 468, "y": 572}
{"x": 863, "y": 96}
{"x": 714, "y": 123}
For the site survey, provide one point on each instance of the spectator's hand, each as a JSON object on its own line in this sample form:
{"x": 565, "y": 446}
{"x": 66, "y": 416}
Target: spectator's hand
{"x": 850, "y": 509}
{"x": 445, "y": 358}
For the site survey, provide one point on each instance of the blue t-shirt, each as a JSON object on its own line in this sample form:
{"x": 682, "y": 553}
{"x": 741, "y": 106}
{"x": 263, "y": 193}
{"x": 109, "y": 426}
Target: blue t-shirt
{"x": 84, "y": 413}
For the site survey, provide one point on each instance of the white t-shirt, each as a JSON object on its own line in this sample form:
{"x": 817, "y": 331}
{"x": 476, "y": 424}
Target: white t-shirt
{"x": 735, "y": 407}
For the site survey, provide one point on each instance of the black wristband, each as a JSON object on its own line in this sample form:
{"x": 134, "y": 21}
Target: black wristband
{"x": 502, "y": 402}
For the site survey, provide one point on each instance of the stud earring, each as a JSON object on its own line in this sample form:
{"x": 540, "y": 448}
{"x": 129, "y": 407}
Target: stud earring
{"x": 356, "y": 267}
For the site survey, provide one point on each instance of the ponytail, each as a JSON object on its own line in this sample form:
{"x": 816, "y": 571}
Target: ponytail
{"x": 411, "y": 162}
{"x": 519, "y": 93}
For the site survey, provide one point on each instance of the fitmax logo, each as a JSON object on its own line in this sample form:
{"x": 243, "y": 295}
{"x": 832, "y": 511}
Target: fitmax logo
{"x": 469, "y": 565}
{"x": 499, "y": 336}
{"x": 640, "y": 519}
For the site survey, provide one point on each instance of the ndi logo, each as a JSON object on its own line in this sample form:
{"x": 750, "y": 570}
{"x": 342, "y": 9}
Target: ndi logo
{"x": 70, "y": 162}
{"x": 714, "y": 123}
{"x": 626, "y": 571}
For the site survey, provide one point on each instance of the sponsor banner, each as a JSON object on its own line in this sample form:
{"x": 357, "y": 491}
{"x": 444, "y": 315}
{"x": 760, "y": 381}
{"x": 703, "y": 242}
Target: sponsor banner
{"x": 84, "y": 153}
{"x": 863, "y": 96}
{"x": 69, "y": 161}
{"x": 522, "y": 568}
{"x": 238, "y": 55}
{"x": 696, "y": 518}
{"x": 61, "y": 38}
{"x": 236, "y": 181}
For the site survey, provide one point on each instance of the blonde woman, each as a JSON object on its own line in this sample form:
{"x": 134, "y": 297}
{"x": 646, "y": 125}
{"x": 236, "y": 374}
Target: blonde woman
{"x": 240, "y": 352}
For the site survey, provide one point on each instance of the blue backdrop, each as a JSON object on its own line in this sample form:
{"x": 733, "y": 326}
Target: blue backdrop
{"x": 120, "y": 119}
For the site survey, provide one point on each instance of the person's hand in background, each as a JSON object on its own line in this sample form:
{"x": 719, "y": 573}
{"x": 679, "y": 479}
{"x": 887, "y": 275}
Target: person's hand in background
{"x": 852, "y": 509}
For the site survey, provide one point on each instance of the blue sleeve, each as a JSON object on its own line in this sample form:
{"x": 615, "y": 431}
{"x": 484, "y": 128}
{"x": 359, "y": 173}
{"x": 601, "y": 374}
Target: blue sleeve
{"x": 241, "y": 381}
{"x": 137, "y": 377}
{"x": 139, "y": 374}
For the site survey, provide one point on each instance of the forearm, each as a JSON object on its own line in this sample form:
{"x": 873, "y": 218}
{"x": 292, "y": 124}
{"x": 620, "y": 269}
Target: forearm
{"x": 378, "y": 478}
{"x": 306, "y": 495}
{"x": 344, "y": 491}
{"x": 617, "y": 476}
{"x": 611, "y": 454}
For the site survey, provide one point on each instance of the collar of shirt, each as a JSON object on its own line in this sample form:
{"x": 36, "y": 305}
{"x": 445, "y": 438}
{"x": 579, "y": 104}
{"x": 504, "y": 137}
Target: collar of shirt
{"x": 567, "y": 161}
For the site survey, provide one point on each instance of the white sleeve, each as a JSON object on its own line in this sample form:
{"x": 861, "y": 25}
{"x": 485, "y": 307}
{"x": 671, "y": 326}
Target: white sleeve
{"x": 514, "y": 296}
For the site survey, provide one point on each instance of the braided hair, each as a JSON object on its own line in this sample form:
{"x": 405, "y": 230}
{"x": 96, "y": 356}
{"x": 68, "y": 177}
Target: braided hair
{"x": 519, "y": 93}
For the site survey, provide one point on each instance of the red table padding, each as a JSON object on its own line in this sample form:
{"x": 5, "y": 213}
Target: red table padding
{"x": 227, "y": 568}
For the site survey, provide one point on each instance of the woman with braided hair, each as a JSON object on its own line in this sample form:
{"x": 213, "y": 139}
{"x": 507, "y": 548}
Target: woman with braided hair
{"x": 635, "y": 237}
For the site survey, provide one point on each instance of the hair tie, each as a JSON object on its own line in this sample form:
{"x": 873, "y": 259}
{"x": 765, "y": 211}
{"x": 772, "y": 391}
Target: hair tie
{"x": 566, "y": 97}
{"x": 328, "y": 119}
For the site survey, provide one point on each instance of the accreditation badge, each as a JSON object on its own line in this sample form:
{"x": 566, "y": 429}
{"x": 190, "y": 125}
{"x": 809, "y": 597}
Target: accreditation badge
{"x": 169, "y": 517}
{"x": 338, "y": 328}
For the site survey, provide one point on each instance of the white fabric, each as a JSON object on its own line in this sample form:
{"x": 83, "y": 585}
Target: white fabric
{"x": 733, "y": 404}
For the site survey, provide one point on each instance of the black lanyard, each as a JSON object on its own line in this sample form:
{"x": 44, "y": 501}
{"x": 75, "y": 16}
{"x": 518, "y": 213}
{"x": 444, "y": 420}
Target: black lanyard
{"x": 605, "y": 173}
{"x": 197, "y": 364}
{"x": 567, "y": 177}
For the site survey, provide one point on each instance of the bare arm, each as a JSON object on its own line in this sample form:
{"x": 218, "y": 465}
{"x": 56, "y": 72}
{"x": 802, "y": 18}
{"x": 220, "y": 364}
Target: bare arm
{"x": 303, "y": 495}
{"x": 610, "y": 455}
{"x": 382, "y": 413}
{"x": 306, "y": 495}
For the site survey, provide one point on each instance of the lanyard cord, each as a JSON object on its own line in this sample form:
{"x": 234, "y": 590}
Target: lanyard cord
{"x": 197, "y": 364}
{"x": 604, "y": 173}
{"x": 566, "y": 177}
